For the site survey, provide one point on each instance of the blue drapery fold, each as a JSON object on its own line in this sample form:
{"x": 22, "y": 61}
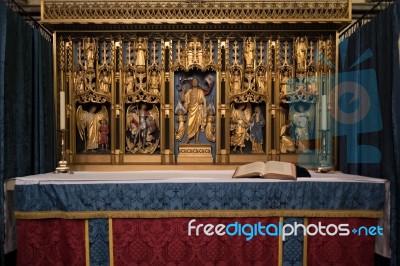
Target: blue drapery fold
{"x": 27, "y": 131}
{"x": 3, "y": 27}
{"x": 370, "y": 146}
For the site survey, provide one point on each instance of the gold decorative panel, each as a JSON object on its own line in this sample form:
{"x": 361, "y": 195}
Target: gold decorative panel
{"x": 195, "y": 11}
{"x": 216, "y": 82}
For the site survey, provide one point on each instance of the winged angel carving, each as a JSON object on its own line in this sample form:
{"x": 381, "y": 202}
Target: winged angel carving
{"x": 88, "y": 124}
{"x": 142, "y": 129}
{"x": 302, "y": 120}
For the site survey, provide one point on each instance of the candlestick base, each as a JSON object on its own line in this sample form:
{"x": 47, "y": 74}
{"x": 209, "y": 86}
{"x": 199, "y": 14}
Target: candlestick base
{"x": 325, "y": 167}
{"x": 325, "y": 170}
{"x": 63, "y": 168}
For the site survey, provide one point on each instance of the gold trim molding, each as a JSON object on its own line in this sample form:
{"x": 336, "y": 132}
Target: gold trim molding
{"x": 195, "y": 11}
{"x": 147, "y": 214}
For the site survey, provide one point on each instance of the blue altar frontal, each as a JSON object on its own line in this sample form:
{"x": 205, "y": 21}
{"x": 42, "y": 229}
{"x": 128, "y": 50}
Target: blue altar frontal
{"x": 194, "y": 190}
{"x": 101, "y": 196}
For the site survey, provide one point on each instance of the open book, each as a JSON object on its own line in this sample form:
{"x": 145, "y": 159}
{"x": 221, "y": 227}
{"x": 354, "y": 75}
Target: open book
{"x": 270, "y": 169}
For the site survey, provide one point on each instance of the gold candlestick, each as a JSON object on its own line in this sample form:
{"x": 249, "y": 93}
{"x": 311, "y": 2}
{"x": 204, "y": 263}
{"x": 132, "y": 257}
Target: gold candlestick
{"x": 63, "y": 164}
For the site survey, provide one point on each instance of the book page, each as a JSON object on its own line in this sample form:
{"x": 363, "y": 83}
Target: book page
{"x": 251, "y": 168}
{"x": 281, "y": 168}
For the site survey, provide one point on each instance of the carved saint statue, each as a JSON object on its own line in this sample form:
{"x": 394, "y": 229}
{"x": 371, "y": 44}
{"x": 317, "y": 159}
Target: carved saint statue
{"x": 90, "y": 49}
{"x": 142, "y": 128}
{"x": 287, "y": 142}
{"x": 261, "y": 81}
{"x": 79, "y": 82}
{"x": 180, "y": 111}
{"x": 105, "y": 82}
{"x": 88, "y": 125}
{"x": 312, "y": 84}
{"x": 154, "y": 82}
{"x": 210, "y": 120}
{"x": 236, "y": 82}
{"x": 285, "y": 82}
{"x": 256, "y": 130}
{"x": 104, "y": 131}
{"x": 301, "y": 53}
{"x": 303, "y": 120}
{"x": 129, "y": 82}
{"x": 248, "y": 53}
{"x": 239, "y": 124}
{"x": 140, "y": 55}
{"x": 194, "y": 101}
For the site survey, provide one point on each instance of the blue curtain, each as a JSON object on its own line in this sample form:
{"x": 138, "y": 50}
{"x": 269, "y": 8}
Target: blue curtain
{"x": 369, "y": 104}
{"x": 27, "y": 130}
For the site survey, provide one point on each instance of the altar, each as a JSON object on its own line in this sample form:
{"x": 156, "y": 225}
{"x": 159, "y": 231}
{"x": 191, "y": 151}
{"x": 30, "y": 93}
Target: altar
{"x": 164, "y": 217}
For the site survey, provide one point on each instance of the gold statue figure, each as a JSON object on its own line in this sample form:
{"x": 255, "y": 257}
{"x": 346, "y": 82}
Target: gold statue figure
{"x": 285, "y": 82}
{"x": 194, "y": 101}
{"x": 129, "y": 82}
{"x": 180, "y": 111}
{"x": 155, "y": 79}
{"x": 240, "y": 123}
{"x": 88, "y": 125}
{"x": 248, "y": 53}
{"x": 105, "y": 82}
{"x": 142, "y": 128}
{"x": 312, "y": 83}
{"x": 236, "y": 82}
{"x": 140, "y": 54}
{"x": 256, "y": 130}
{"x": 303, "y": 121}
{"x": 287, "y": 142}
{"x": 79, "y": 82}
{"x": 210, "y": 120}
{"x": 261, "y": 81}
{"x": 90, "y": 49}
{"x": 301, "y": 53}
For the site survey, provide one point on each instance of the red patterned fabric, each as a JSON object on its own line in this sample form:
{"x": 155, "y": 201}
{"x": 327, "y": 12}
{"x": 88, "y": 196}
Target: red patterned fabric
{"x": 51, "y": 242}
{"x": 349, "y": 250}
{"x": 166, "y": 242}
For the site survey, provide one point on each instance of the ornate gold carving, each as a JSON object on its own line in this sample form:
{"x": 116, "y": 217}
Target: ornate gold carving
{"x": 133, "y": 68}
{"x": 247, "y": 82}
{"x": 210, "y": 122}
{"x": 141, "y": 82}
{"x": 69, "y": 47}
{"x": 62, "y": 54}
{"x": 194, "y": 55}
{"x": 239, "y": 124}
{"x": 163, "y": 11}
{"x": 92, "y": 126}
{"x": 142, "y": 128}
{"x": 91, "y": 81}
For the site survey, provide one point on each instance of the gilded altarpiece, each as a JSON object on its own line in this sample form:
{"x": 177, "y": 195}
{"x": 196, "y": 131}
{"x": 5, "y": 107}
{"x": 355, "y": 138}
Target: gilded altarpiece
{"x": 202, "y": 97}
